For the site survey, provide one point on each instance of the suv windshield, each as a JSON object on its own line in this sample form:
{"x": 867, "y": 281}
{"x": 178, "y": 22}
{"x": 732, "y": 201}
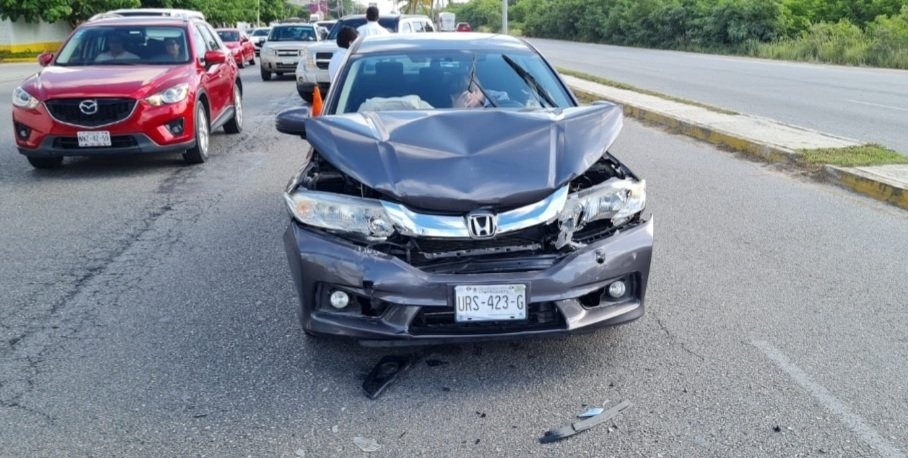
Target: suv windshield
{"x": 389, "y": 23}
{"x": 125, "y": 45}
{"x": 292, "y": 33}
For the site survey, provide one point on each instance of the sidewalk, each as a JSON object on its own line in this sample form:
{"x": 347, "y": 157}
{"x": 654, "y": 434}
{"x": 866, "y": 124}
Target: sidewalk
{"x": 761, "y": 138}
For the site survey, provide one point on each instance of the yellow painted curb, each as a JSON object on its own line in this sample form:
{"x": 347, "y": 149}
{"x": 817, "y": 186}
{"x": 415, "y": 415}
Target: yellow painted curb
{"x": 877, "y": 189}
{"x": 757, "y": 150}
{"x": 844, "y": 177}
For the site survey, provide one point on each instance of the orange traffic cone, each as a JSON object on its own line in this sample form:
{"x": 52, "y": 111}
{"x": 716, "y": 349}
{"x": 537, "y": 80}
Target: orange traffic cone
{"x": 316, "y": 101}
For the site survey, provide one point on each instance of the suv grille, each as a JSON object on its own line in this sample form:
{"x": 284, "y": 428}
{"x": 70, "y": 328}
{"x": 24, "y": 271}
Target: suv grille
{"x": 109, "y": 111}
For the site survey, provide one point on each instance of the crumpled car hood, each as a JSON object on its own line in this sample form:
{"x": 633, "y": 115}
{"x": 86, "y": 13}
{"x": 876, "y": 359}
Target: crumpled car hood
{"x": 457, "y": 161}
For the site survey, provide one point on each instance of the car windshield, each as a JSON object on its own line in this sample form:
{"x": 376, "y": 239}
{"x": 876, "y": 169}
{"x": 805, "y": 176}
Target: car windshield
{"x": 292, "y": 33}
{"x": 389, "y": 23}
{"x": 125, "y": 45}
{"x": 229, "y": 35}
{"x": 260, "y": 32}
{"x": 424, "y": 80}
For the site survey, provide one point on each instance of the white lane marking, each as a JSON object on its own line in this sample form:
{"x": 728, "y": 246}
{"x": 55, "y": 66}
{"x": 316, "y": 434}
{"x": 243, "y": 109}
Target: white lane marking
{"x": 877, "y": 105}
{"x": 852, "y": 420}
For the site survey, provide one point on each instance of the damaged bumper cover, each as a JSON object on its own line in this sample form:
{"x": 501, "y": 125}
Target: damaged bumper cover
{"x": 393, "y": 303}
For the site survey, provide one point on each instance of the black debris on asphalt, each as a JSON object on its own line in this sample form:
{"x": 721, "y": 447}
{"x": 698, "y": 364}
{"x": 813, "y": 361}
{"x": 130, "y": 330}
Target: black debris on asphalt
{"x": 384, "y": 373}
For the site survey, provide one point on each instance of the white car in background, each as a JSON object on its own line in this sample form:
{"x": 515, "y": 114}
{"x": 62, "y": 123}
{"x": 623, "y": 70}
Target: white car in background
{"x": 282, "y": 49}
{"x": 258, "y": 36}
{"x": 312, "y": 69}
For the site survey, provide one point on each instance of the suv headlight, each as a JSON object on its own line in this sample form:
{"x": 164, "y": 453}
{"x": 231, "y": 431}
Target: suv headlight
{"x": 616, "y": 199}
{"x": 171, "y": 95}
{"x": 269, "y": 51}
{"x": 364, "y": 217}
{"x": 21, "y": 98}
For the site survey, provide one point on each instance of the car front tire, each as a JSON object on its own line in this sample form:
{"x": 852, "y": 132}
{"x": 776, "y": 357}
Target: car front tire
{"x": 45, "y": 162}
{"x": 235, "y": 125}
{"x": 199, "y": 153}
{"x": 266, "y": 75}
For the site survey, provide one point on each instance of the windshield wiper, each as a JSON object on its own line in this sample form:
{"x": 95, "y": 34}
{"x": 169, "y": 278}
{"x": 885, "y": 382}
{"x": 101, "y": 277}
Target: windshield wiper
{"x": 539, "y": 91}
{"x": 478, "y": 86}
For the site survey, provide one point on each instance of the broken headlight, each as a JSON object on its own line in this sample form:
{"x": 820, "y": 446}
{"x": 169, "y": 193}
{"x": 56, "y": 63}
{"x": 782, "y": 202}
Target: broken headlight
{"x": 616, "y": 199}
{"x": 364, "y": 217}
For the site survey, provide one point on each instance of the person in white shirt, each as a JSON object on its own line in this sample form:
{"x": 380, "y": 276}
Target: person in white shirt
{"x": 345, "y": 38}
{"x": 372, "y": 27}
{"x": 115, "y": 50}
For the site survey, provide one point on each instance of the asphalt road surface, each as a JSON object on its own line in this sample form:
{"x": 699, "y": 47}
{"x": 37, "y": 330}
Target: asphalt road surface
{"x": 866, "y": 104}
{"x": 147, "y": 310}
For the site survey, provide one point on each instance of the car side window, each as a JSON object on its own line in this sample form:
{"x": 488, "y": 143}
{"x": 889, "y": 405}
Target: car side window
{"x": 200, "y": 46}
{"x": 212, "y": 42}
{"x": 405, "y": 27}
{"x": 428, "y": 27}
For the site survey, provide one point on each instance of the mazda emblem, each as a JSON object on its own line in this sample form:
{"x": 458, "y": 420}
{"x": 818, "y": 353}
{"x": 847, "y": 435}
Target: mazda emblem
{"x": 482, "y": 225}
{"x": 88, "y": 107}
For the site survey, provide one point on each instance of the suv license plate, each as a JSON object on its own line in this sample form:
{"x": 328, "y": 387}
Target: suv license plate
{"x": 93, "y": 138}
{"x": 490, "y": 302}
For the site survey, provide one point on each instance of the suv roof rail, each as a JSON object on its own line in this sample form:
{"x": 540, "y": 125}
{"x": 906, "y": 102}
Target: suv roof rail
{"x": 159, "y": 12}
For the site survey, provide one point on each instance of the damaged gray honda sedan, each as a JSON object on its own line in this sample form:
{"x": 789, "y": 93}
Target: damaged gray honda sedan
{"x": 456, "y": 191}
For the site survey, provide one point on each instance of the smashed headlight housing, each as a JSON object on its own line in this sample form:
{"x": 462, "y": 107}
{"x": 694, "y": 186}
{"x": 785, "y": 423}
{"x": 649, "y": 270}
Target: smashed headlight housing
{"x": 616, "y": 199}
{"x": 352, "y": 215}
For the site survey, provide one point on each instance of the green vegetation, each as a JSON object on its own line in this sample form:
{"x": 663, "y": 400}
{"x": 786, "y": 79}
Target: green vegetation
{"x": 628, "y": 87}
{"x": 870, "y": 154}
{"x": 218, "y": 12}
{"x": 854, "y": 32}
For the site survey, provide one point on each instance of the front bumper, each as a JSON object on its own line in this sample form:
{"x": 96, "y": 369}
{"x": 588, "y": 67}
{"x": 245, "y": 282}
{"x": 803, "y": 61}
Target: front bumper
{"x": 398, "y": 304}
{"x": 147, "y": 130}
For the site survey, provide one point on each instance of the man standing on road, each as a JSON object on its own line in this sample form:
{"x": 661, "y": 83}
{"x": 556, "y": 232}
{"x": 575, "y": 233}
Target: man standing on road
{"x": 372, "y": 27}
{"x": 345, "y": 37}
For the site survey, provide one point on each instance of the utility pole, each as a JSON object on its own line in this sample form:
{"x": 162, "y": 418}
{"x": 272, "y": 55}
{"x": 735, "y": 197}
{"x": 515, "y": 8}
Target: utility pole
{"x": 504, "y": 17}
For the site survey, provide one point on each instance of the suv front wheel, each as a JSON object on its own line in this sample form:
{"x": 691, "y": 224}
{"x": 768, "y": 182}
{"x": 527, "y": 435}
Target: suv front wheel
{"x": 199, "y": 153}
{"x": 266, "y": 75}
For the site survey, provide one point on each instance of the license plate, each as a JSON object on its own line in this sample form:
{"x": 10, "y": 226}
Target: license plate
{"x": 93, "y": 138}
{"x": 490, "y": 302}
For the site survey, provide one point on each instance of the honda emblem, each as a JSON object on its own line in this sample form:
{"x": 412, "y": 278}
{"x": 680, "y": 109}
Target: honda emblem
{"x": 482, "y": 225}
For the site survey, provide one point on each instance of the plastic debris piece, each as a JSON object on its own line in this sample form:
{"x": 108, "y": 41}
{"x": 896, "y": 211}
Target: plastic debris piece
{"x": 591, "y": 412}
{"x": 384, "y": 373}
{"x": 301, "y": 453}
{"x": 556, "y": 434}
{"x": 367, "y": 445}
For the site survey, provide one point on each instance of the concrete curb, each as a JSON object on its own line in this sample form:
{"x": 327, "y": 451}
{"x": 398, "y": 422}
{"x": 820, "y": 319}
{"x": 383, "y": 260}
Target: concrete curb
{"x": 719, "y": 137}
{"x": 884, "y": 183}
{"x": 869, "y": 183}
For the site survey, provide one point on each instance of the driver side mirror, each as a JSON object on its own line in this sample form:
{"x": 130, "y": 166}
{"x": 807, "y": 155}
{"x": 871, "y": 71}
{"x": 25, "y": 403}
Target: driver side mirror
{"x": 215, "y": 57}
{"x": 45, "y": 58}
{"x": 293, "y": 121}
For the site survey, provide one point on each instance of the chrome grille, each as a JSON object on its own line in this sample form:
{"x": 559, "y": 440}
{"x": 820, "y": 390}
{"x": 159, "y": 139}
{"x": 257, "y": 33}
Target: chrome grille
{"x": 109, "y": 111}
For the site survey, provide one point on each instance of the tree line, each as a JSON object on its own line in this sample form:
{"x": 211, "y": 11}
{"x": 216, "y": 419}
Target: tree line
{"x": 219, "y": 12}
{"x": 858, "y": 32}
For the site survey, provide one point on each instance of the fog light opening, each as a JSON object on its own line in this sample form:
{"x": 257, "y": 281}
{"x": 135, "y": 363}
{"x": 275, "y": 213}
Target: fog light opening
{"x": 22, "y": 131}
{"x": 617, "y": 289}
{"x": 339, "y": 299}
{"x": 175, "y": 127}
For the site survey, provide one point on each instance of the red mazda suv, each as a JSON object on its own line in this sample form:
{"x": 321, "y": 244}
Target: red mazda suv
{"x": 129, "y": 85}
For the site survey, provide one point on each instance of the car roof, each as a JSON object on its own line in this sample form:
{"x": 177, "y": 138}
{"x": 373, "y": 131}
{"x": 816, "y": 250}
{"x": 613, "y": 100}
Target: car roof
{"x": 293, "y": 24}
{"x": 442, "y": 41}
{"x": 140, "y": 20}
{"x": 150, "y": 12}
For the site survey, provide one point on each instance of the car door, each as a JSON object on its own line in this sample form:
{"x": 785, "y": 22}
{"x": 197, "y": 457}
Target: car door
{"x": 216, "y": 78}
